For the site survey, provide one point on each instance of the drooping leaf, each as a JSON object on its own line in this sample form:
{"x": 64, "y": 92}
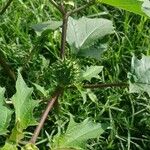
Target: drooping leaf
{"x": 5, "y": 113}
{"x": 146, "y": 7}
{"x": 83, "y": 32}
{"x": 52, "y": 25}
{"x": 140, "y": 75}
{"x": 77, "y": 135}
{"x": 91, "y": 72}
{"x": 24, "y": 104}
{"x": 129, "y": 5}
{"x": 93, "y": 52}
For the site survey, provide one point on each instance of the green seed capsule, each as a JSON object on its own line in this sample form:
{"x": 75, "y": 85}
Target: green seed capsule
{"x": 66, "y": 72}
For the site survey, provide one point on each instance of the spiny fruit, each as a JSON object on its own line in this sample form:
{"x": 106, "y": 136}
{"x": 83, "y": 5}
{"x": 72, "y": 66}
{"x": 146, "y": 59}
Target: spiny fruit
{"x": 66, "y": 72}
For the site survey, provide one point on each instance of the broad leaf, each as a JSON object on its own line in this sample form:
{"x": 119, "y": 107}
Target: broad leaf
{"x": 52, "y": 25}
{"x": 140, "y": 75}
{"x": 24, "y": 104}
{"x": 129, "y": 5}
{"x": 77, "y": 135}
{"x": 91, "y": 72}
{"x": 84, "y": 32}
{"x": 5, "y": 113}
{"x": 146, "y": 7}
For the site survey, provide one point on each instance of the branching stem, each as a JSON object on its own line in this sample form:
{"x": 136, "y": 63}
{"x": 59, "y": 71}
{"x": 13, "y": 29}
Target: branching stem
{"x": 65, "y": 21}
{"x": 105, "y": 85}
{"x": 82, "y": 7}
{"x": 59, "y": 7}
{"x": 102, "y": 85}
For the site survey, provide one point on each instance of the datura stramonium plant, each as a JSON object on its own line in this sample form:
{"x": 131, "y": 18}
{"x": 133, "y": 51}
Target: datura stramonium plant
{"x": 66, "y": 72}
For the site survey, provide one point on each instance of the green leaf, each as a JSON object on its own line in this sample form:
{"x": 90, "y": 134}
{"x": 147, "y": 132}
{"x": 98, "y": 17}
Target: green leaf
{"x": 146, "y": 7}
{"x": 9, "y": 146}
{"x": 92, "y": 96}
{"x": 5, "y": 113}
{"x": 68, "y": 2}
{"x": 52, "y": 25}
{"x": 140, "y": 75}
{"x": 91, "y": 72}
{"x": 41, "y": 89}
{"x": 89, "y": 93}
{"x": 129, "y": 5}
{"x": 83, "y": 92}
{"x": 83, "y": 32}
{"x": 30, "y": 147}
{"x": 93, "y": 52}
{"x": 24, "y": 104}
{"x": 77, "y": 135}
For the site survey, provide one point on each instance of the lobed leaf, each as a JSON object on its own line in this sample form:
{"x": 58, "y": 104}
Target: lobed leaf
{"x": 91, "y": 72}
{"x": 140, "y": 75}
{"x": 77, "y": 135}
{"x": 24, "y": 104}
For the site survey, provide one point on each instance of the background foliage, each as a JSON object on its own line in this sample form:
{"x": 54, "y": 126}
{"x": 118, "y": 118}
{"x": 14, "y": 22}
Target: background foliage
{"x": 127, "y": 114}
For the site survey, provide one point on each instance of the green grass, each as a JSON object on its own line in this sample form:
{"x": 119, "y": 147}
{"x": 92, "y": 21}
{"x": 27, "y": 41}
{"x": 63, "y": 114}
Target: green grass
{"x": 127, "y": 114}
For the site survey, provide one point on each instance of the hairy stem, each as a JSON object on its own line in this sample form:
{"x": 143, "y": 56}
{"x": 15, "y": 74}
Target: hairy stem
{"x": 5, "y": 7}
{"x": 64, "y": 35}
{"x": 50, "y": 105}
{"x": 105, "y": 85}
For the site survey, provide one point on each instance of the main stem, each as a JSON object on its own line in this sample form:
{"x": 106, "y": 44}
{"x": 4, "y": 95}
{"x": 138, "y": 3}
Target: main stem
{"x": 64, "y": 35}
{"x": 50, "y": 105}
